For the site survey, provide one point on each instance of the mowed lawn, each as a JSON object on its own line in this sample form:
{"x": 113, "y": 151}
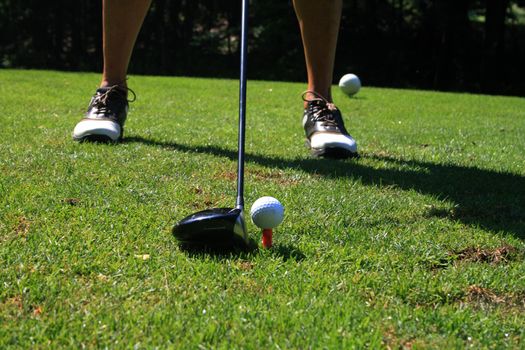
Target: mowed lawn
{"x": 416, "y": 244}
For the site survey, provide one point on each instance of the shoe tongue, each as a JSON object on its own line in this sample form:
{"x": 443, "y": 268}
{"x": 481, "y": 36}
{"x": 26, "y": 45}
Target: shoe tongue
{"x": 317, "y": 102}
{"x": 119, "y": 90}
{"x": 102, "y": 90}
{"x": 323, "y": 104}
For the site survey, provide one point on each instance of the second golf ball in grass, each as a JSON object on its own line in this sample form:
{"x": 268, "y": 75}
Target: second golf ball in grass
{"x": 267, "y": 212}
{"x": 350, "y": 84}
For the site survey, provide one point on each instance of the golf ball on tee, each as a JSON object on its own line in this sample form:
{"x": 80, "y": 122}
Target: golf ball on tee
{"x": 267, "y": 212}
{"x": 350, "y": 84}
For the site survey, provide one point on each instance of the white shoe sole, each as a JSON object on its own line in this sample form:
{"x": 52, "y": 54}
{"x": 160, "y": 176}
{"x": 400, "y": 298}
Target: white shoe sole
{"x": 97, "y": 130}
{"x": 332, "y": 145}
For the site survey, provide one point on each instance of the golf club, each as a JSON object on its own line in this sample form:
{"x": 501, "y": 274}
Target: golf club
{"x": 223, "y": 228}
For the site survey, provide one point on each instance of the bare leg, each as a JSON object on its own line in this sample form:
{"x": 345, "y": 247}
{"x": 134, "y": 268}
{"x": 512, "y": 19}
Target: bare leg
{"x": 122, "y": 20}
{"x": 319, "y": 23}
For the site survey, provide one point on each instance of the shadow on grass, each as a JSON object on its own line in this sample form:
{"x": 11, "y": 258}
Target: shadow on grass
{"x": 238, "y": 251}
{"x": 287, "y": 252}
{"x": 490, "y": 199}
{"x": 243, "y": 252}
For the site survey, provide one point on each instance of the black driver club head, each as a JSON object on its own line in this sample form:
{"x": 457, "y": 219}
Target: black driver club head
{"x": 213, "y": 229}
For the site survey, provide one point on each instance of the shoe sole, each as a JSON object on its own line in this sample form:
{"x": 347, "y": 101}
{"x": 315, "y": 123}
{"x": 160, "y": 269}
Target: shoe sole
{"x": 329, "y": 152}
{"x": 98, "y": 130}
{"x": 96, "y": 138}
{"x": 100, "y": 138}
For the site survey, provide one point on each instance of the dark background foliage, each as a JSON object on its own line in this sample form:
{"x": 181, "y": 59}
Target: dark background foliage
{"x": 459, "y": 45}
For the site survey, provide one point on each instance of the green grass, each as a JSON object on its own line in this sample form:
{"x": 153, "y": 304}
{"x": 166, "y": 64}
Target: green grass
{"x": 419, "y": 243}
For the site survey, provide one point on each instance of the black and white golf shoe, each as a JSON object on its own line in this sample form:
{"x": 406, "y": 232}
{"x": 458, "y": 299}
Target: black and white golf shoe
{"x": 326, "y": 135}
{"x": 105, "y": 117}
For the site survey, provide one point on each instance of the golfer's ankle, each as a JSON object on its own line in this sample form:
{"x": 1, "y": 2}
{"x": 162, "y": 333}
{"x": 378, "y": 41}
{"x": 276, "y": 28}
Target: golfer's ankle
{"x": 111, "y": 82}
{"x": 327, "y": 94}
{"x": 121, "y": 84}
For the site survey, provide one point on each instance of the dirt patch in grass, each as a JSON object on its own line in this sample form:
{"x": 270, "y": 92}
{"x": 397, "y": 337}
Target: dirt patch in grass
{"x": 277, "y": 176}
{"x": 22, "y": 228}
{"x": 204, "y": 204}
{"x": 226, "y": 175}
{"x": 71, "y": 201}
{"x": 204, "y": 199}
{"x": 498, "y": 255}
{"x": 245, "y": 265}
{"x": 250, "y": 286}
{"x": 477, "y": 294}
{"x": 391, "y": 341}
{"x": 12, "y": 303}
{"x": 197, "y": 190}
{"x": 484, "y": 297}
{"x": 37, "y": 310}
{"x": 14, "y": 306}
{"x": 494, "y": 256}
{"x": 480, "y": 297}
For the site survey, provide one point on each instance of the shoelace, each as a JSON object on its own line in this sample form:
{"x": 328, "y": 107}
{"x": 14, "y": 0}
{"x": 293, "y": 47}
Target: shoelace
{"x": 322, "y": 110}
{"x": 100, "y": 101}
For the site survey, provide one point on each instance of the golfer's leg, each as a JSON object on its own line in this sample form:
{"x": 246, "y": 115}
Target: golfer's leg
{"x": 319, "y": 23}
{"x": 122, "y": 20}
{"x": 107, "y": 111}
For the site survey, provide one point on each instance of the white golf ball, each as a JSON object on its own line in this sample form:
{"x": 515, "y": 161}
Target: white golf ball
{"x": 350, "y": 84}
{"x": 267, "y": 212}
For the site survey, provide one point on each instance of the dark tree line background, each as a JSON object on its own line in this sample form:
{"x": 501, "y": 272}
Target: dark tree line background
{"x": 459, "y": 45}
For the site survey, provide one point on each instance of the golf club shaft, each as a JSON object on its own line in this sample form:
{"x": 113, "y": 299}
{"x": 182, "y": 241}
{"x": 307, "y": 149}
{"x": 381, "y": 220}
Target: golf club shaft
{"x": 242, "y": 105}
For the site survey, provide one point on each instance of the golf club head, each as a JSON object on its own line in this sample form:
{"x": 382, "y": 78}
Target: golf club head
{"x": 212, "y": 229}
